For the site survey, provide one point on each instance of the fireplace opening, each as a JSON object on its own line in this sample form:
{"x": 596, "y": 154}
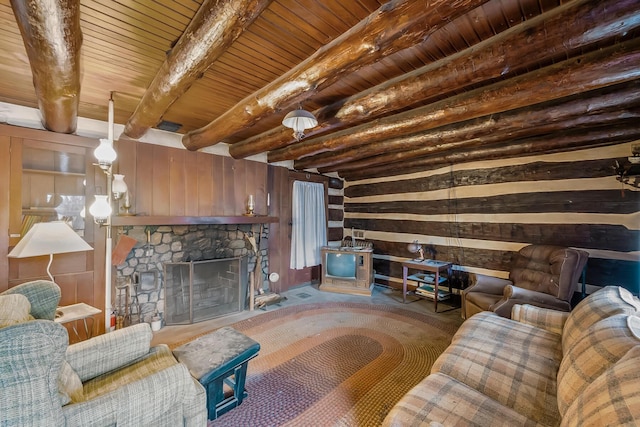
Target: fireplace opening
{"x": 203, "y": 290}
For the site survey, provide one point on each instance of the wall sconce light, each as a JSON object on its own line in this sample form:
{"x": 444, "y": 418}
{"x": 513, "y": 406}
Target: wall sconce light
{"x": 299, "y": 120}
{"x": 629, "y": 173}
{"x": 416, "y": 247}
{"x": 118, "y": 187}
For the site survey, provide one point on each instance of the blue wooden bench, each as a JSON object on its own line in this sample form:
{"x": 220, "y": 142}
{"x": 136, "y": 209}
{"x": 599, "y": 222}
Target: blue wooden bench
{"x": 216, "y": 359}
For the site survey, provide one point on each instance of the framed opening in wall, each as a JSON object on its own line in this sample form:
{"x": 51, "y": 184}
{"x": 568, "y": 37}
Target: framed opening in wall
{"x": 53, "y": 185}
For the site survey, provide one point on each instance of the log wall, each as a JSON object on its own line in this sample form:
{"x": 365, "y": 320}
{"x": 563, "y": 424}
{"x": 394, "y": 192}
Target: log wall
{"x": 478, "y": 214}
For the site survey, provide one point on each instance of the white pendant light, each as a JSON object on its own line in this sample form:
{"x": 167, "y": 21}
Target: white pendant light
{"x": 299, "y": 120}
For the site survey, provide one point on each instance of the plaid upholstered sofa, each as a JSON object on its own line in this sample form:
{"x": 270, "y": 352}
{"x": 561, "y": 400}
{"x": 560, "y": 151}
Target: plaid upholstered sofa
{"x": 113, "y": 379}
{"x": 540, "y": 368}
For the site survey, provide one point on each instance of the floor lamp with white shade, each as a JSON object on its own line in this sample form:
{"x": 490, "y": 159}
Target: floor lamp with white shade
{"x": 49, "y": 238}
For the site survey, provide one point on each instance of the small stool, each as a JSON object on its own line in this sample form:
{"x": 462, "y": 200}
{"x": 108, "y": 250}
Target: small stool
{"x": 213, "y": 359}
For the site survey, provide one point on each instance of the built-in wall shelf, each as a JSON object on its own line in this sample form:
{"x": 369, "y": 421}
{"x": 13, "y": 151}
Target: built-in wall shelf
{"x": 123, "y": 220}
{"x": 53, "y": 172}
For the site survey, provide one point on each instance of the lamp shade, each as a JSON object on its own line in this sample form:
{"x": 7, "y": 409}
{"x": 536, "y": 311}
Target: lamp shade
{"x": 100, "y": 209}
{"x": 414, "y": 247}
{"x": 119, "y": 187}
{"x": 46, "y": 238}
{"x": 105, "y": 154}
{"x": 299, "y": 120}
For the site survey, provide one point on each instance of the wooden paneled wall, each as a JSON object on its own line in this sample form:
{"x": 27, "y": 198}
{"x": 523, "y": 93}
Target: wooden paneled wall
{"x": 80, "y": 275}
{"x": 162, "y": 181}
{"x": 279, "y": 232}
{"x": 5, "y": 170}
{"x": 281, "y": 184}
{"x": 478, "y": 214}
{"x": 176, "y": 182}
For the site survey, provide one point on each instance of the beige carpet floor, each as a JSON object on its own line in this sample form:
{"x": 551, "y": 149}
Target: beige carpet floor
{"x": 335, "y": 364}
{"x": 448, "y": 311}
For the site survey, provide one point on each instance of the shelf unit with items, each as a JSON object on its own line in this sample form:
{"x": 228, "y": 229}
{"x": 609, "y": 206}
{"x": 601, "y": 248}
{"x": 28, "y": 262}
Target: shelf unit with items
{"x": 430, "y": 277}
{"x": 52, "y": 185}
{"x": 425, "y": 289}
{"x": 50, "y": 177}
{"x": 50, "y": 180}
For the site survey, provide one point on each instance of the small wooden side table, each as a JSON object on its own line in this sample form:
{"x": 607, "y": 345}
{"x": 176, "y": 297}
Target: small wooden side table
{"x": 430, "y": 265}
{"x": 79, "y": 311}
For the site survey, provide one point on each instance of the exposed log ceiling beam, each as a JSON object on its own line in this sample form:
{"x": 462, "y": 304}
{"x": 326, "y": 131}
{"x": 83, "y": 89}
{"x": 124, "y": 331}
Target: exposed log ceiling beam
{"x": 559, "y": 33}
{"x": 407, "y": 85}
{"x": 499, "y": 97}
{"x": 562, "y": 141}
{"x": 52, "y": 38}
{"x": 215, "y": 26}
{"x": 397, "y": 25}
{"x": 591, "y": 71}
{"x": 400, "y": 159}
{"x": 479, "y": 133}
{"x": 607, "y": 106}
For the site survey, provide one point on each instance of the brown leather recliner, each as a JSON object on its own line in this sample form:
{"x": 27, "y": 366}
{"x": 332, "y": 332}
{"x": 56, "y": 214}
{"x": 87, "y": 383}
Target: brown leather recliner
{"x": 542, "y": 275}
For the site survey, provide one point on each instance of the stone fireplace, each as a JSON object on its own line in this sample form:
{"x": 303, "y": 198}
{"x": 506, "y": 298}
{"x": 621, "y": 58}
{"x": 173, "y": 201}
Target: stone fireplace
{"x": 143, "y": 274}
{"x": 202, "y": 290}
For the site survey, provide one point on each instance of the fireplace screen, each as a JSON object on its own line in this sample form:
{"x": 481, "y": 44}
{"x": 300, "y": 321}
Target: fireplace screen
{"x": 202, "y": 290}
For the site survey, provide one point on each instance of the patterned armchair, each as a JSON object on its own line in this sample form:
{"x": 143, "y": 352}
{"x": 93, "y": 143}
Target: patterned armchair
{"x": 542, "y": 275}
{"x": 112, "y": 379}
{"x": 43, "y": 297}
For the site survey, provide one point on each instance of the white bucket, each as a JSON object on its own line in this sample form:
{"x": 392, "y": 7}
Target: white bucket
{"x": 156, "y": 324}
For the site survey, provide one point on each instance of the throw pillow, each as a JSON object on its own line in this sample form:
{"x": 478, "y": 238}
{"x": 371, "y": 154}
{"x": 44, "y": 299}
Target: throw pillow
{"x": 69, "y": 385}
{"x": 14, "y": 309}
{"x": 605, "y": 302}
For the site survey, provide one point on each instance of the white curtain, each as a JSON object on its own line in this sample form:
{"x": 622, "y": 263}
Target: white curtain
{"x": 309, "y": 224}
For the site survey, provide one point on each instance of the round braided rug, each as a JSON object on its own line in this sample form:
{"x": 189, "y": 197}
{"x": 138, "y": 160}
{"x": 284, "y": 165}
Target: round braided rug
{"x": 334, "y": 364}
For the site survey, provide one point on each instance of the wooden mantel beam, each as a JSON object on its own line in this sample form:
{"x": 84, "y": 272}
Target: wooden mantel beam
{"x": 609, "y": 66}
{"x": 559, "y": 33}
{"x": 52, "y": 38}
{"x": 563, "y": 141}
{"x": 216, "y": 25}
{"x": 396, "y": 25}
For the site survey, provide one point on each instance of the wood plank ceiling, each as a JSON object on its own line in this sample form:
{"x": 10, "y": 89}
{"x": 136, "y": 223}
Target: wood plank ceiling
{"x": 403, "y": 83}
